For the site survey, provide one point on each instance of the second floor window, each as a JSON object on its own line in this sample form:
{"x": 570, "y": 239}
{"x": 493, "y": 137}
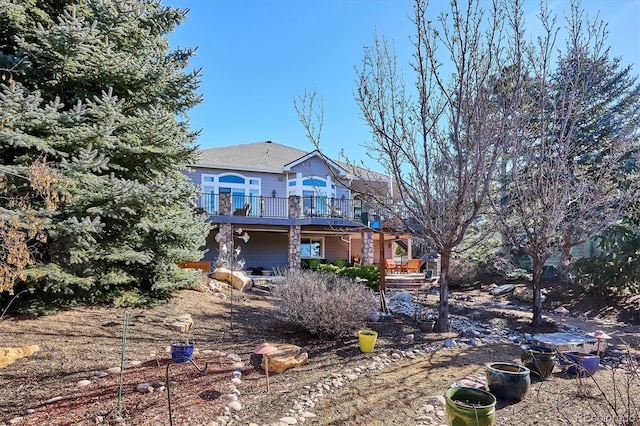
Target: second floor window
{"x": 243, "y": 189}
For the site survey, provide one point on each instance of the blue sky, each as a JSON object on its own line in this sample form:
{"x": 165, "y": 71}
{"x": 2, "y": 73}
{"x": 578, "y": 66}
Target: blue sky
{"x": 258, "y": 55}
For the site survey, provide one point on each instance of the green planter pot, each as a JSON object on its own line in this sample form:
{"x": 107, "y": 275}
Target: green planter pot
{"x": 470, "y": 407}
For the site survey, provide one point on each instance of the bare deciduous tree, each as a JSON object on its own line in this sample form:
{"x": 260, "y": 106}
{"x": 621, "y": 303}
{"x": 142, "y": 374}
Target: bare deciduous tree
{"x": 441, "y": 142}
{"x": 561, "y": 138}
{"x": 567, "y": 164}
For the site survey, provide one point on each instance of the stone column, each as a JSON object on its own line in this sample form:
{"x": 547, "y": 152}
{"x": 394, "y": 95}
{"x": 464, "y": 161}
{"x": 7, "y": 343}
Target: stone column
{"x": 225, "y": 203}
{"x": 294, "y": 207}
{"x": 225, "y": 232}
{"x": 367, "y": 247}
{"x": 294, "y": 247}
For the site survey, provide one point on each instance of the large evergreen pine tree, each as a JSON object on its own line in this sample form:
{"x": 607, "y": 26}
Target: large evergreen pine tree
{"x": 91, "y": 86}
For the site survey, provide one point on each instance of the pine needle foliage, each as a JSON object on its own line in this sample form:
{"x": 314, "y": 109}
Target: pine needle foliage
{"x": 93, "y": 86}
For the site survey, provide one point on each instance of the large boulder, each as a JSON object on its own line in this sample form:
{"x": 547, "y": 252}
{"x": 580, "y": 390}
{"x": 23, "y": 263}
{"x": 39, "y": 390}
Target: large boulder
{"x": 526, "y": 295}
{"x": 10, "y": 355}
{"x": 502, "y": 289}
{"x": 287, "y": 356}
{"x": 238, "y": 279}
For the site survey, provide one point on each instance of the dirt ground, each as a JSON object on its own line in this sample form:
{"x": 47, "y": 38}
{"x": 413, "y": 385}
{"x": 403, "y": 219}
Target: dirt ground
{"x": 81, "y": 343}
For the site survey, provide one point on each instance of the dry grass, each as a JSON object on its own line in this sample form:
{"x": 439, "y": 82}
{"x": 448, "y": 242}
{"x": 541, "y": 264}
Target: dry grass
{"x": 75, "y": 345}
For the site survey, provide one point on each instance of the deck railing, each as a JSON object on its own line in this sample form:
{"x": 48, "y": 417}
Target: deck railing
{"x": 301, "y": 207}
{"x": 281, "y": 207}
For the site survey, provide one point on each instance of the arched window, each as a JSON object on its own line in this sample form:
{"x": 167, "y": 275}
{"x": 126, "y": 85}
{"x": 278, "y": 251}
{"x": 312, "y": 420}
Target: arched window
{"x": 314, "y": 182}
{"x": 314, "y": 196}
{"x": 243, "y": 190}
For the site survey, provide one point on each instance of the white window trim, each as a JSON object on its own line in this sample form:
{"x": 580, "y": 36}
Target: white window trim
{"x": 216, "y": 184}
{"x": 328, "y": 191}
{"x": 313, "y": 238}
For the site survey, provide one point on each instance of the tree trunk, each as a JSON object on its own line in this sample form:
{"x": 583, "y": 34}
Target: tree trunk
{"x": 537, "y": 293}
{"x": 565, "y": 261}
{"x": 443, "y": 307}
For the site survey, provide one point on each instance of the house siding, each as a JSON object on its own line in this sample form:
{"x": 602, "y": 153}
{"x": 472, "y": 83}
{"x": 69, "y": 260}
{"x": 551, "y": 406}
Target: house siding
{"x": 266, "y": 249}
{"x": 335, "y": 248}
{"x": 269, "y": 220}
{"x": 312, "y": 167}
{"x": 583, "y": 250}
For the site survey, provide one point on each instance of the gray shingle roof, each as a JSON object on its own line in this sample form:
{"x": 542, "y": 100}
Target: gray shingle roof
{"x": 264, "y": 156}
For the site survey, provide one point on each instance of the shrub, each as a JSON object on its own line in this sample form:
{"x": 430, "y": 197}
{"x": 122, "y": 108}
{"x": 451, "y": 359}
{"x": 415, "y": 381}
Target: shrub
{"x": 368, "y": 274}
{"x": 520, "y": 275}
{"x": 323, "y": 303}
{"x": 129, "y": 298}
{"x": 462, "y": 272}
{"x": 617, "y": 267}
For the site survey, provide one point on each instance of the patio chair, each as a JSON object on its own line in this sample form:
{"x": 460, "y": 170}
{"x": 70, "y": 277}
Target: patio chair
{"x": 391, "y": 266}
{"x": 243, "y": 211}
{"x": 413, "y": 265}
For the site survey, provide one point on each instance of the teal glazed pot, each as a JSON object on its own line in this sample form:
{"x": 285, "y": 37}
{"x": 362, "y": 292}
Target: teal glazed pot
{"x": 539, "y": 359}
{"x": 508, "y": 381}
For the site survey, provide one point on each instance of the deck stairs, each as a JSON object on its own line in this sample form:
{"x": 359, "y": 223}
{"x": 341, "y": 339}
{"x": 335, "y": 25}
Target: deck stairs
{"x": 410, "y": 281}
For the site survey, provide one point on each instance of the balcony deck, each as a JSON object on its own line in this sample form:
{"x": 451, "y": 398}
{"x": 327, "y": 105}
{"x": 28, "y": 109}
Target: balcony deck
{"x": 294, "y": 210}
{"x": 281, "y": 207}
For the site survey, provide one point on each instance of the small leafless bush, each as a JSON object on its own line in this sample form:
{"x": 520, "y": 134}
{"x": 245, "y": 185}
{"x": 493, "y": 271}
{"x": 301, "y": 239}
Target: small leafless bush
{"x": 623, "y": 401}
{"x": 618, "y": 401}
{"x": 323, "y": 303}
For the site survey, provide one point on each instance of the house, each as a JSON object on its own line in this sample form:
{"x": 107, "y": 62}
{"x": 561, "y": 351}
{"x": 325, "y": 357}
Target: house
{"x": 298, "y": 207}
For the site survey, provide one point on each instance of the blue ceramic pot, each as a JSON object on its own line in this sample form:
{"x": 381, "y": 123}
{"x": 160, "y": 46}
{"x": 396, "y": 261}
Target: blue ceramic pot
{"x": 181, "y": 352}
{"x": 579, "y": 364}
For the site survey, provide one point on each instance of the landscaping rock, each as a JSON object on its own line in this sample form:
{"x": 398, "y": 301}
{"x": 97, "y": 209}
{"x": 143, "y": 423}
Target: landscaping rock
{"x": 182, "y": 323}
{"x": 235, "y": 406}
{"x": 287, "y": 356}
{"x": 10, "y": 355}
{"x": 502, "y": 289}
{"x": 238, "y": 279}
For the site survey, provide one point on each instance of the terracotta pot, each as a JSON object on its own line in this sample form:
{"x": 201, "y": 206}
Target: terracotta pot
{"x": 426, "y": 326}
